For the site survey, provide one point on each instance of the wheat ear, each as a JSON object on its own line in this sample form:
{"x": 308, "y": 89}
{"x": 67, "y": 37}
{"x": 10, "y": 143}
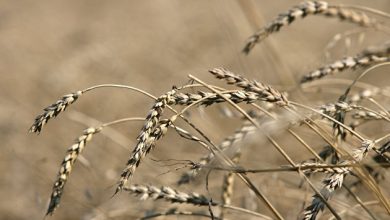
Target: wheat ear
{"x": 363, "y": 59}
{"x": 266, "y": 92}
{"x": 228, "y": 185}
{"x": 141, "y": 150}
{"x": 174, "y": 196}
{"x": 67, "y": 165}
{"x": 53, "y": 110}
{"x": 168, "y": 194}
{"x": 301, "y": 11}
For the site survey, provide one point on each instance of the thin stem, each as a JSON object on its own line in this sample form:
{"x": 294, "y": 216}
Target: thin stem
{"x": 246, "y": 211}
{"x": 289, "y": 169}
{"x": 122, "y": 120}
{"x": 385, "y": 111}
{"x": 118, "y": 86}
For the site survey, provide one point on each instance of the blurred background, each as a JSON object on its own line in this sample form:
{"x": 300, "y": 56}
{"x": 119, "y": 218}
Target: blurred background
{"x": 52, "y": 48}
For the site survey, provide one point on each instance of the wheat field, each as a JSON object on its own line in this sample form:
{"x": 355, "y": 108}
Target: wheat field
{"x": 195, "y": 109}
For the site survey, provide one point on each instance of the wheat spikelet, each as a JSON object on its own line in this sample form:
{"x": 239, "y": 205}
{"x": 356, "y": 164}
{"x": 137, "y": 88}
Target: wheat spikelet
{"x": 266, "y": 92}
{"x": 67, "y": 165}
{"x": 362, "y": 151}
{"x": 53, "y": 110}
{"x": 168, "y": 194}
{"x": 301, "y": 11}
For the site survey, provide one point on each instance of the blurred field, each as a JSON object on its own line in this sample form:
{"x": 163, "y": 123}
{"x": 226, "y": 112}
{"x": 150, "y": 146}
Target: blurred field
{"x": 51, "y": 48}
